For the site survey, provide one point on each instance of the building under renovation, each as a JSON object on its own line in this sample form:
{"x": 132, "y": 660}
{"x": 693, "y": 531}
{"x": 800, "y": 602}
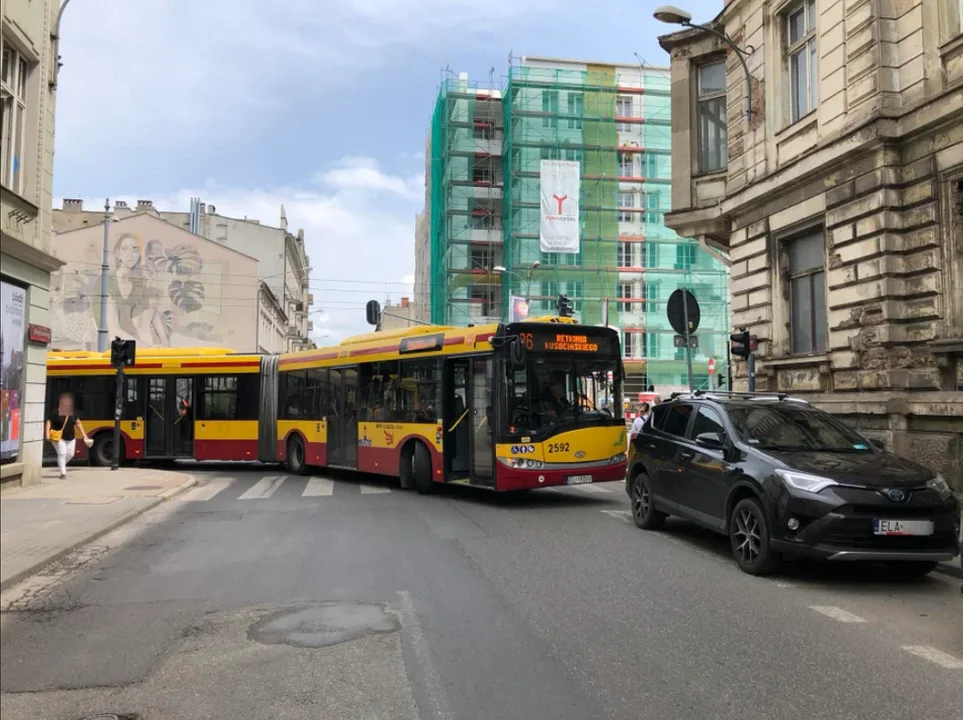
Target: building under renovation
{"x": 479, "y": 241}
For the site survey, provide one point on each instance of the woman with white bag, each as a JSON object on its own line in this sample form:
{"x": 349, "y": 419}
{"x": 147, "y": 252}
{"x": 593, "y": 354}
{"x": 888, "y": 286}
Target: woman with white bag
{"x": 62, "y": 428}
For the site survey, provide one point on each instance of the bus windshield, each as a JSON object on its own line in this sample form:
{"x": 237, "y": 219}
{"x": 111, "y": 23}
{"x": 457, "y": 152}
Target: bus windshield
{"x": 557, "y": 391}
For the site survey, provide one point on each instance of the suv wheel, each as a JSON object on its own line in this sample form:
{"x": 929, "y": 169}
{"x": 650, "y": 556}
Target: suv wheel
{"x": 643, "y": 509}
{"x": 749, "y": 537}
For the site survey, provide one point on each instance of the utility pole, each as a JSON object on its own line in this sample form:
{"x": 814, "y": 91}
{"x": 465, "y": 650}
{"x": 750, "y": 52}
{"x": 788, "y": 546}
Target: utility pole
{"x": 104, "y": 281}
{"x": 688, "y": 337}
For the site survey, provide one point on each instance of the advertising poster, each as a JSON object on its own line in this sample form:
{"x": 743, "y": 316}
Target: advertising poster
{"x": 519, "y": 309}
{"x": 559, "y": 188}
{"x": 13, "y": 301}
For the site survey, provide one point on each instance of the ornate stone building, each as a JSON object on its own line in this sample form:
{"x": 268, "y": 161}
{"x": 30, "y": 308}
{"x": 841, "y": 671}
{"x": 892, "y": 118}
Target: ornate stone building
{"x": 838, "y": 204}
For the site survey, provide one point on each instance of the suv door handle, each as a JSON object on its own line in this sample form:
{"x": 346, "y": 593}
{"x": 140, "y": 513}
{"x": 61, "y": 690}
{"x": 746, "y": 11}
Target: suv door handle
{"x": 686, "y": 454}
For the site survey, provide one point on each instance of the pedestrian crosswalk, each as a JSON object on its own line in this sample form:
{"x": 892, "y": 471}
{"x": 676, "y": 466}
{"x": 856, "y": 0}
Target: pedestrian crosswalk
{"x": 268, "y": 486}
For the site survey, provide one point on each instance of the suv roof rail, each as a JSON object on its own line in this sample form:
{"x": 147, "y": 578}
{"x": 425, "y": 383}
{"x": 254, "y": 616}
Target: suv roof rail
{"x": 731, "y": 393}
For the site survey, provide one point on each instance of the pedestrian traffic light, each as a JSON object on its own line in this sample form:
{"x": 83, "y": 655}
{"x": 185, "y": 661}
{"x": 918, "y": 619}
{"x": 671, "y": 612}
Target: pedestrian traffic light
{"x": 122, "y": 352}
{"x": 741, "y": 344}
{"x": 564, "y": 306}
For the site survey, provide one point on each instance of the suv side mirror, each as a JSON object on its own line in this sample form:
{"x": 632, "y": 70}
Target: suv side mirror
{"x": 711, "y": 440}
{"x": 878, "y": 444}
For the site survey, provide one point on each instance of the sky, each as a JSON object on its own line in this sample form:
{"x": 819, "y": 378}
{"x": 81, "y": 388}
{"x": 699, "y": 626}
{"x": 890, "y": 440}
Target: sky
{"x": 320, "y": 105}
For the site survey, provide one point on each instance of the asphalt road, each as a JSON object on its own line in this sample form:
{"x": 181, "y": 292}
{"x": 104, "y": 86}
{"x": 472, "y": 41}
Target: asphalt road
{"x": 258, "y": 595}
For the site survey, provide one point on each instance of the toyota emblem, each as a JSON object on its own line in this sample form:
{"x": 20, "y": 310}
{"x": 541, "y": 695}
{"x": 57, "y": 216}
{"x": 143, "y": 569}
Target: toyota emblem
{"x": 897, "y": 495}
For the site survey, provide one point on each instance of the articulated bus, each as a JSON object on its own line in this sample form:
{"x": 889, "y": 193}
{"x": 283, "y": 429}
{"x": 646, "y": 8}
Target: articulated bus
{"x": 504, "y": 407}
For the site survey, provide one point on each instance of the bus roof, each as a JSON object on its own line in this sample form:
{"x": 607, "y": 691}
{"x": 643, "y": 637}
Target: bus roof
{"x": 156, "y": 360}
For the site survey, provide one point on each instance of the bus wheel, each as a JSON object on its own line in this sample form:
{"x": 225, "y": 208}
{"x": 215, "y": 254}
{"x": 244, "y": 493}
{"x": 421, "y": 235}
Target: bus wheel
{"x": 406, "y": 472}
{"x": 295, "y": 457}
{"x": 102, "y": 452}
{"x": 422, "y": 470}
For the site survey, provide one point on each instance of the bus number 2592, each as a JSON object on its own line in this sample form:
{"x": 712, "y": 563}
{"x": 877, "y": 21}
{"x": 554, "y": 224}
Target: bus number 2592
{"x": 558, "y": 447}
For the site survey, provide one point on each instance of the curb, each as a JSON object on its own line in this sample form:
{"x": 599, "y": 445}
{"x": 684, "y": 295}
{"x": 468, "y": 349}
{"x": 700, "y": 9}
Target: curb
{"x": 60, "y": 554}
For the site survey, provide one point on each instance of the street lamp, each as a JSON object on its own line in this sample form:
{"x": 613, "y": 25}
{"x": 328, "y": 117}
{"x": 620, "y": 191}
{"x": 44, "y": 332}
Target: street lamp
{"x": 502, "y": 270}
{"x": 672, "y": 15}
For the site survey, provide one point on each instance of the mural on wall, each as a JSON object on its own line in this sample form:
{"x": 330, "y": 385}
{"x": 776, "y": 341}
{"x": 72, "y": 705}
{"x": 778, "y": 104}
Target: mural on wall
{"x": 161, "y": 293}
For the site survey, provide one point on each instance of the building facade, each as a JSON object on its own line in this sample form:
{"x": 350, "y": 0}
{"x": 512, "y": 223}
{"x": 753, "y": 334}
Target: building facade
{"x": 283, "y": 264}
{"x": 398, "y": 317}
{"x": 167, "y": 287}
{"x": 484, "y": 211}
{"x": 28, "y": 80}
{"x": 838, "y": 203}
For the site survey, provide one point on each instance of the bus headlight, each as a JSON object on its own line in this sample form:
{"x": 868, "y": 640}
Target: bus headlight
{"x": 522, "y": 463}
{"x": 616, "y": 459}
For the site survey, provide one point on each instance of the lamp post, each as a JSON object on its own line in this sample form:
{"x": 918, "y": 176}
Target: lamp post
{"x": 502, "y": 270}
{"x": 672, "y": 15}
{"x": 104, "y": 281}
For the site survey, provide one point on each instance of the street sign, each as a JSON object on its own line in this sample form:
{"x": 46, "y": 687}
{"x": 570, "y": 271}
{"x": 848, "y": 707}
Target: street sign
{"x": 712, "y": 366}
{"x": 679, "y": 341}
{"x": 677, "y": 311}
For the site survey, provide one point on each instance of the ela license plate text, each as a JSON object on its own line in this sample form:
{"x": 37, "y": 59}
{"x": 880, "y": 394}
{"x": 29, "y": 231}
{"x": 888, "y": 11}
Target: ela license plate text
{"x": 903, "y": 527}
{"x": 578, "y": 479}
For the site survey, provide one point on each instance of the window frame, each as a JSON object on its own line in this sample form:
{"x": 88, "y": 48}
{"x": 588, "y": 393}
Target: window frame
{"x": 575, "y": 104}
{"x": 628, "y": 345}
{"x": 624, "y": 216}
{"x": 626, "y": 160}
{"x": 620, "y": 101}
{"x": 790, "y": 275}
{"x": 704, "y": 99}
{"x": 807, "y": 45}
{"x": 14, "y": 91}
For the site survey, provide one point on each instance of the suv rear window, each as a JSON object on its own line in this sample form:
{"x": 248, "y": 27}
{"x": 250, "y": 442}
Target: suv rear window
{"x": 676, "y": 419}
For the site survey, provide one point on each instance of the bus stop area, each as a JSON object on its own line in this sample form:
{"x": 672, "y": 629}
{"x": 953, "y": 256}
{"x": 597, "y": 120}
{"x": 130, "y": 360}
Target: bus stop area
{"x": 41, "y": 523}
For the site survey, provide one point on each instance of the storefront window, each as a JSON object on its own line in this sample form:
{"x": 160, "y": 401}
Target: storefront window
{"x": 13, "y": 301}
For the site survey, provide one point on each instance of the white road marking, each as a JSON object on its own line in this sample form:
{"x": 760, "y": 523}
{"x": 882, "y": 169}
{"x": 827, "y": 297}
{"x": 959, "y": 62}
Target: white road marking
{"x": 318, "y": 486}
{"x": 208, "y": 491}
{"x": 935, "y": 656}
{"x": 837, "y": 614}
{"x": 433, "y": 687}
{"x": 264, "y": 488}
{"x": 784, "y": 584}
{"x": 374, "y": 489}
{"x": 623, "y": 515}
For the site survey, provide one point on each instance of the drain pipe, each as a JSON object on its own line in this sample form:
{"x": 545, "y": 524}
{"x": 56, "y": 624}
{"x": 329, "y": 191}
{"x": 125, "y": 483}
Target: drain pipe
{"x": 55, "y": 36}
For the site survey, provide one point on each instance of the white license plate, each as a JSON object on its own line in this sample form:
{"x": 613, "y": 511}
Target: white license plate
{"x": 578, "y": 479}
{"x": 903, "y": 527}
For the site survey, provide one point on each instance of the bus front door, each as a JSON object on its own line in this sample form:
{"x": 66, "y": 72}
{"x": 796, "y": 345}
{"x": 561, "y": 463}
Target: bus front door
{"x": 342, "y": 418}
{"x": 169, "y": 418}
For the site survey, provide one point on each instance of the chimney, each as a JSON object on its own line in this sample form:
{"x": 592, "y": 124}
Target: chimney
{"x": 145, "y": 204}
{"x": 404, "y": 302}
{"x": 73, "y": 205}
{"x": 120, "y": 204}
{"x": 212, "y": 209}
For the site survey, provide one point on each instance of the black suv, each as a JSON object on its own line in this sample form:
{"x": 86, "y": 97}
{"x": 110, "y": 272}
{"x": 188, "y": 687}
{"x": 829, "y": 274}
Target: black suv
{"x": 781, "y": 478}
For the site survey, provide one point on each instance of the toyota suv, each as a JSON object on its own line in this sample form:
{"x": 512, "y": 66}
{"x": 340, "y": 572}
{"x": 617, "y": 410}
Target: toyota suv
{"x": 782, "y": 478}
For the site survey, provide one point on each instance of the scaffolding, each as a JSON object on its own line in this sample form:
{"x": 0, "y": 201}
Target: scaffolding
{"x": 487, "y": 147}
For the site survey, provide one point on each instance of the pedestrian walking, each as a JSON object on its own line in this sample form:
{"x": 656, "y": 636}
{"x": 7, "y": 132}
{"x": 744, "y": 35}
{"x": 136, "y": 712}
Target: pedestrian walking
{"x": 61, "y": 430}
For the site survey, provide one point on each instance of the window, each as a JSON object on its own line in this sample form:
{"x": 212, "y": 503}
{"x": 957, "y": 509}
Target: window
{"x": 480, "y": 257}
{"x": 576, "y": 108}
{"x": 685, "y": 256}
{"x": 657, "y": 165}
{"x": 801, "y": 56}
{"x": 711, "y": 117}
{"x": 625, "y": 254}
{"x": 653, "y": 213}
{"x": 650, "y": 346}
{"x": 420, "y": 390}
{"x": 625, "y": 292}
{"x": 379, "y": 391}
{"x": 623, "y": 109}
{"x": 218, "y": 398}
{"x": 573, "y": 155}
{"x": 13, "y": 91}
{"x": 626, "y": 165}
{"x": 628, "y": 343}
{"x": 807, "y": 293}
{"x": 481, "y": 218}
{"x": 483, "y": 131}
{"x": 708, "y": 421}
{"x": 677, "y": 419}
{"x": 482, "y": 171}
{"x": 550, "y": 108}
{"x": 651, "y": 296}
{"x": 316, "y": 393}
{"x": 480, "y": 306}
{"x": 626, "y": 200}
{"x": 291, "y": 392}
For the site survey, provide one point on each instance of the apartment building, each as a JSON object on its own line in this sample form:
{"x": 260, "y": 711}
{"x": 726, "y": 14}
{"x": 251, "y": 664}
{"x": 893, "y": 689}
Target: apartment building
{"x": 835, "y": 188}
{"x": 284, "y": 297}
{"x": 481, "y": 245}
{"x": 28, "y": 81}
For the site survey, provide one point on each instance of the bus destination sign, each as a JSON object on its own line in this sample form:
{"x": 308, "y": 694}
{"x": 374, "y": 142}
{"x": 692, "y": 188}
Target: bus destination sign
{"x": 425, "y": 343}
{"x": 570, "y": 343}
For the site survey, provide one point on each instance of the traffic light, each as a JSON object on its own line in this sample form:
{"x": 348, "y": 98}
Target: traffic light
{"x": 741, "y": 344}
{"x": 564, "y": 306}
{"x": 122, "y": 352}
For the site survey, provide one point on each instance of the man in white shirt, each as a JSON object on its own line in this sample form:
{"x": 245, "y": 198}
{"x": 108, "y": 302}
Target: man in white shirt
{"x": 639, "y": 421}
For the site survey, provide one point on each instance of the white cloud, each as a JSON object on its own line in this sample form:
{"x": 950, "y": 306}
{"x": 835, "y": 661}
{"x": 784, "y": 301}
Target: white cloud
{"x": 360, "y": 173}
{"x": 359, "y": 237}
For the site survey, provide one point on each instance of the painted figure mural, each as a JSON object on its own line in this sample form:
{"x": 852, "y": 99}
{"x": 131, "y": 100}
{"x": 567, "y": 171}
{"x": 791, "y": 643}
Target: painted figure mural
{"x": 175, "y": 289}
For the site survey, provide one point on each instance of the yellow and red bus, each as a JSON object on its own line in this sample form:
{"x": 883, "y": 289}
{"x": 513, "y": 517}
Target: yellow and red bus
{"x": 197, "y": 403}
{"x": 504, "y": 407}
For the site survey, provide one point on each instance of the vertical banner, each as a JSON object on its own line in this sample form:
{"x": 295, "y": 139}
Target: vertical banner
{"x": 13, "y": 301}
{"x": 519, "y": 309}
{"x": 559, "y": 188}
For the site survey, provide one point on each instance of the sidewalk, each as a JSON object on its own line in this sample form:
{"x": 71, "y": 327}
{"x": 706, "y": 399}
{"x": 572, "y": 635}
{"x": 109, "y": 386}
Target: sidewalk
{"x": 41, "y": 523}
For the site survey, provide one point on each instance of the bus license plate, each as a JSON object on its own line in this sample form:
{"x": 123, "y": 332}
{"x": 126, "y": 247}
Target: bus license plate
{"x": 903, "y": 527}
{"x": 578, "y": 479}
